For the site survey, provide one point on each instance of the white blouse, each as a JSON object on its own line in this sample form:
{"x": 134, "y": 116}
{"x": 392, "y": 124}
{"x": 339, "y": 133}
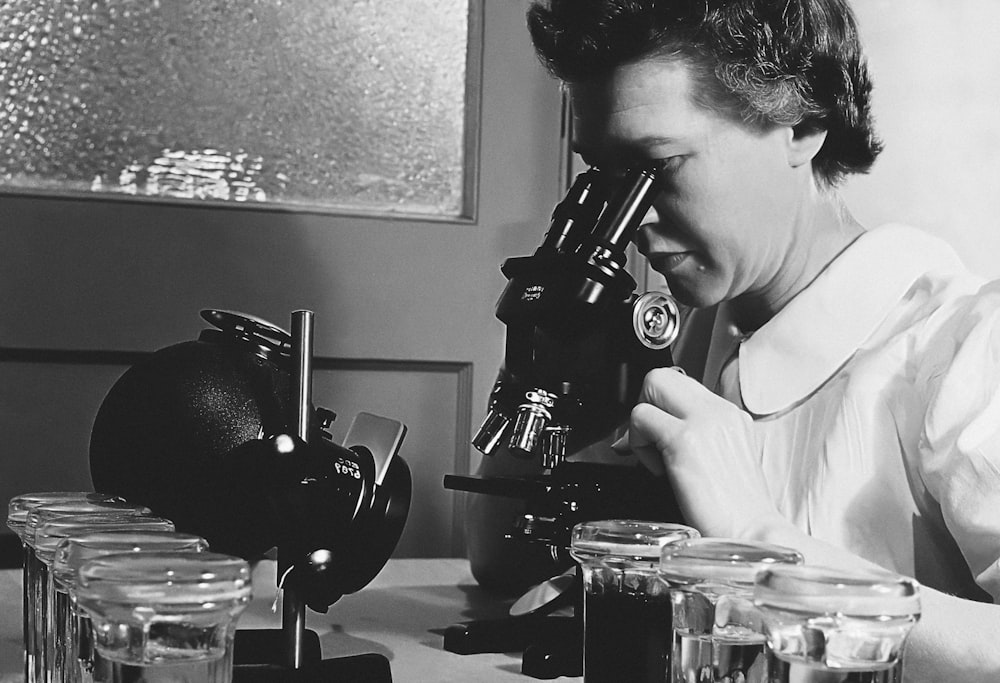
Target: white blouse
{"x": 876, "y": 399}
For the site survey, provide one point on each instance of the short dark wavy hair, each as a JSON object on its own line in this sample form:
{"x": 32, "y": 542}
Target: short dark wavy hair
{"x": 763, "y": 62}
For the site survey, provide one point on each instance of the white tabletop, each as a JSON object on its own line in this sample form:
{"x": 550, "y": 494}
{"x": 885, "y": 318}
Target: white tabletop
{"x": 402, "y": 614}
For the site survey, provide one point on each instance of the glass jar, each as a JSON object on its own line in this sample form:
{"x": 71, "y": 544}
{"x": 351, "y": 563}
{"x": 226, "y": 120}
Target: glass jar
{"x": 19, "y": 506}
{"x": 161, "y": 616}
{"x": 36, "y": 570}
{"x": 48, "y": 538}
{"x": 17, "y": 518}
{"x": 717, "y": 631}
{"x": 76, "y": 658}
{"x": 833, "y": 626}
{"x": 626, "y": 608}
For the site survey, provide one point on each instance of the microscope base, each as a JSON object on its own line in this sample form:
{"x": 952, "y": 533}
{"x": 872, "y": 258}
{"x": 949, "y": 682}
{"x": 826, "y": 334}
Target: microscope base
{"x": 553, "y": 656}
{"x": 552, "y": 646}
{"x": 260, "y": 655}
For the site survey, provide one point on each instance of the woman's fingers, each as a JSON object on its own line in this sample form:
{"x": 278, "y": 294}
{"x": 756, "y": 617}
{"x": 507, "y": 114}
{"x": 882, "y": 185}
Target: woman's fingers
{"x": 650, "y": 433}
{"x": 707, "y": 448}
{"x": 673, "y": 391}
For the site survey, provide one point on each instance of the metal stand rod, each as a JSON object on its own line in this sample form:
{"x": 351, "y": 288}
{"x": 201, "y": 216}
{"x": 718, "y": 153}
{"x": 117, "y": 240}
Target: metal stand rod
{"x": 293, "y": 627}
{"x": 293, "y": 610}
{"x": 302, "y": 357}
{"x": 270, "y": 655}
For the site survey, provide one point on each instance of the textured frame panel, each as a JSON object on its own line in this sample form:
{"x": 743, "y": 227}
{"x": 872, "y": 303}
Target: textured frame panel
{"x": 210, "y": 165}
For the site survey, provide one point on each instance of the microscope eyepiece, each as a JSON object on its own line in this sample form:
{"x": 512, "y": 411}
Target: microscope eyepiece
{"x": 625, "y": 211}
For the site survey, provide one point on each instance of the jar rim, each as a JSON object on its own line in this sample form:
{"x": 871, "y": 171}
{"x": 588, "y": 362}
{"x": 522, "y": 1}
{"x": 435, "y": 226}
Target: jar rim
{"x": 19, "y": 506}
{"x": 627, "y": 538}
{"x": 46, "y": 511}
{"x": 722, "y": 560}
{"x": 825, "y": 590}
{"x": 75, "y": 551}
{"x": 164, "y": 578}
{"x": 52, "y": 532}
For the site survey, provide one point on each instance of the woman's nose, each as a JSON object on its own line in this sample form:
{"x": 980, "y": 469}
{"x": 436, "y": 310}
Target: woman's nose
{"x": 646, "y": 233}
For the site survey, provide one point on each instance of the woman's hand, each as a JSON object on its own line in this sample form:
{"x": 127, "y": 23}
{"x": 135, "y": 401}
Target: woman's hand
{"x": 707, "y": 448}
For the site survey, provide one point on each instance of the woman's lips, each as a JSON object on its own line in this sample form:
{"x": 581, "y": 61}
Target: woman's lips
{"x": 664, "y": 263}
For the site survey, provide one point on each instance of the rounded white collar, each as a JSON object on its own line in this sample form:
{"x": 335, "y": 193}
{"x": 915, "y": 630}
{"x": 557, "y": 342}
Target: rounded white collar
{"x": 818, "y": 331}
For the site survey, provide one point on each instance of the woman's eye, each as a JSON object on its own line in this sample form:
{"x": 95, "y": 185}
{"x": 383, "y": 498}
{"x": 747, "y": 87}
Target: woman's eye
{"x": 668, "y": 165}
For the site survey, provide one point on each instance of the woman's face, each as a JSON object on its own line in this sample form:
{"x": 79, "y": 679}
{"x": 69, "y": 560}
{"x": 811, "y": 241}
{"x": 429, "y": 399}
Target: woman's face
{"x": 724, "y": 221}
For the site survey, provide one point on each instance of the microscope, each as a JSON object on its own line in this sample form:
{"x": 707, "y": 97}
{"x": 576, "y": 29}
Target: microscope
{"x": 220, "y": 435}
{"x": 579, "y": 343}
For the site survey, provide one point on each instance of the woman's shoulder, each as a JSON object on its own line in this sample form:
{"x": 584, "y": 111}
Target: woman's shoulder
{"x": 957, "y": 369}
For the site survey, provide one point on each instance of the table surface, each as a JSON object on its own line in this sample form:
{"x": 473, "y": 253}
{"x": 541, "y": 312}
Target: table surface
{"x": 402, "y": 614}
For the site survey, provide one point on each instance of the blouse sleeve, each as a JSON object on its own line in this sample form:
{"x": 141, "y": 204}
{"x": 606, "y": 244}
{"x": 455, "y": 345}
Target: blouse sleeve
{"x": 960, "y": 444}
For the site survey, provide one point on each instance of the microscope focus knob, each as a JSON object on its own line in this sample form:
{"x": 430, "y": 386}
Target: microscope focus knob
{"x": 655, "y": 320}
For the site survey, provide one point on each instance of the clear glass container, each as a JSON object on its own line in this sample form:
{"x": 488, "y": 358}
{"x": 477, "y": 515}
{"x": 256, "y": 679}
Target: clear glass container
{"x": 48, "y": 537}
{"x": 626, "y": 608}
{"x": 717, "y": 631}
{"x": 17, "y": 518}
{"x": 19, "y": 506}
{"x": 37, "y": 574}
{"x": 832, "y": 626}
{"x": 161, "y": 617}
{"x": 76, "y": 659}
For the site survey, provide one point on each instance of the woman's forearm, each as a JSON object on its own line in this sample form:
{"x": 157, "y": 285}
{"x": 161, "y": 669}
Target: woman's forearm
{"x": 955, "y": 640}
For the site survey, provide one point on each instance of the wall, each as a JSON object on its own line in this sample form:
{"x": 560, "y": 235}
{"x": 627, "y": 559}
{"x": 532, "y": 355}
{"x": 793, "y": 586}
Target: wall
{"x": 936, "y": 65}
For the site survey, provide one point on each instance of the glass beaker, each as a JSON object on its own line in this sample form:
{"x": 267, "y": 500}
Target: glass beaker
{"x": 717, "y": 632}
{"x": 76, "y": 658}
{"x": 833, "y": 626}
{"x": 37, "y": 574}
{"x": 626, "y": 608}
{"x": 48, "y": 537}
{"x": 17, "y": 518}
{"x": 160, "y": 616}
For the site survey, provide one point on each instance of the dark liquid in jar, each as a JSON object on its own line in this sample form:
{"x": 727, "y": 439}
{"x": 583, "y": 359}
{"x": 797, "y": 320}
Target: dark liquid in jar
{"x": 627, "y": 637}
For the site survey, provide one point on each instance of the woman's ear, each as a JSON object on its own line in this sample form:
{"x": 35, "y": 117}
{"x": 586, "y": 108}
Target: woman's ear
{"x": 804, "y": 144}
